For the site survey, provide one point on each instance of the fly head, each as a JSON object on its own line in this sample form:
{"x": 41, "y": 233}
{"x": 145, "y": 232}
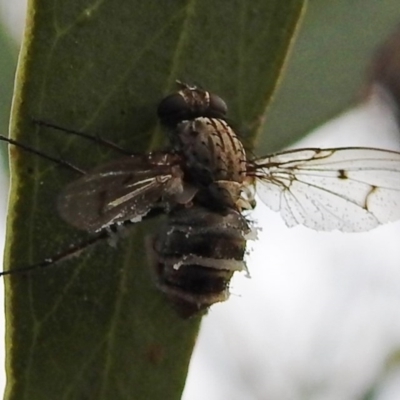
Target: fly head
{"x": 188, "y": 103}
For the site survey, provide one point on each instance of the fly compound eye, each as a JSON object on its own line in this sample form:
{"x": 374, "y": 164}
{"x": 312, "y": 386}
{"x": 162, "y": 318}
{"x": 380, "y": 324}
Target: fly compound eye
{"x": 190, "y": 103}
{"x": 217, "y": 106}
{"x": 173, "y": 109}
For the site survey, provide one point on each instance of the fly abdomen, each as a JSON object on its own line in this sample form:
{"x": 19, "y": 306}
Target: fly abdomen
{"x": 198, "y": 251}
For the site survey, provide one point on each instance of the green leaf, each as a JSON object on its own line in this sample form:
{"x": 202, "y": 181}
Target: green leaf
{"x": 328, "y": 66}
{"x": 95, "y": 327}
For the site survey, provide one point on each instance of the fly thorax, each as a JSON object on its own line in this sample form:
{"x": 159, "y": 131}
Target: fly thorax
{"x": 212, "y": 151}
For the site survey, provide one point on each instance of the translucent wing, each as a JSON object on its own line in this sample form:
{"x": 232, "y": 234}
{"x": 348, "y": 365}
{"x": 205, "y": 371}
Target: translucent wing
{"x": 349, "y": 189}
{"x": 122, "y": 190}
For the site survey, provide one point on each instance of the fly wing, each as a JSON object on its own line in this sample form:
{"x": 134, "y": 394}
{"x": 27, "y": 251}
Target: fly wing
{"x": 349, "y": 189}
{"x": 121, "y": 190}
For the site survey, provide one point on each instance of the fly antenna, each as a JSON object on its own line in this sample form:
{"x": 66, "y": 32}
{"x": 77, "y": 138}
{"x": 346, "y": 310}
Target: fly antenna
{"x": 42, "y": 154}
{"x": 95, "y": 138}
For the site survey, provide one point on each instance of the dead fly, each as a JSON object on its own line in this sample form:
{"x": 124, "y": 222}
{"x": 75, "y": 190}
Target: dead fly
{"x": 204, "y": 181}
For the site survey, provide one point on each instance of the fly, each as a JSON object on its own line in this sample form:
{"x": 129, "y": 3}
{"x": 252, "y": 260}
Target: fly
{"x": 204, "y": 182}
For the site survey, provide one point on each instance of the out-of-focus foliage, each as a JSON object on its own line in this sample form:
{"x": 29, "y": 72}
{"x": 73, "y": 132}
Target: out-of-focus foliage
{"x": 328, "y": 66}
